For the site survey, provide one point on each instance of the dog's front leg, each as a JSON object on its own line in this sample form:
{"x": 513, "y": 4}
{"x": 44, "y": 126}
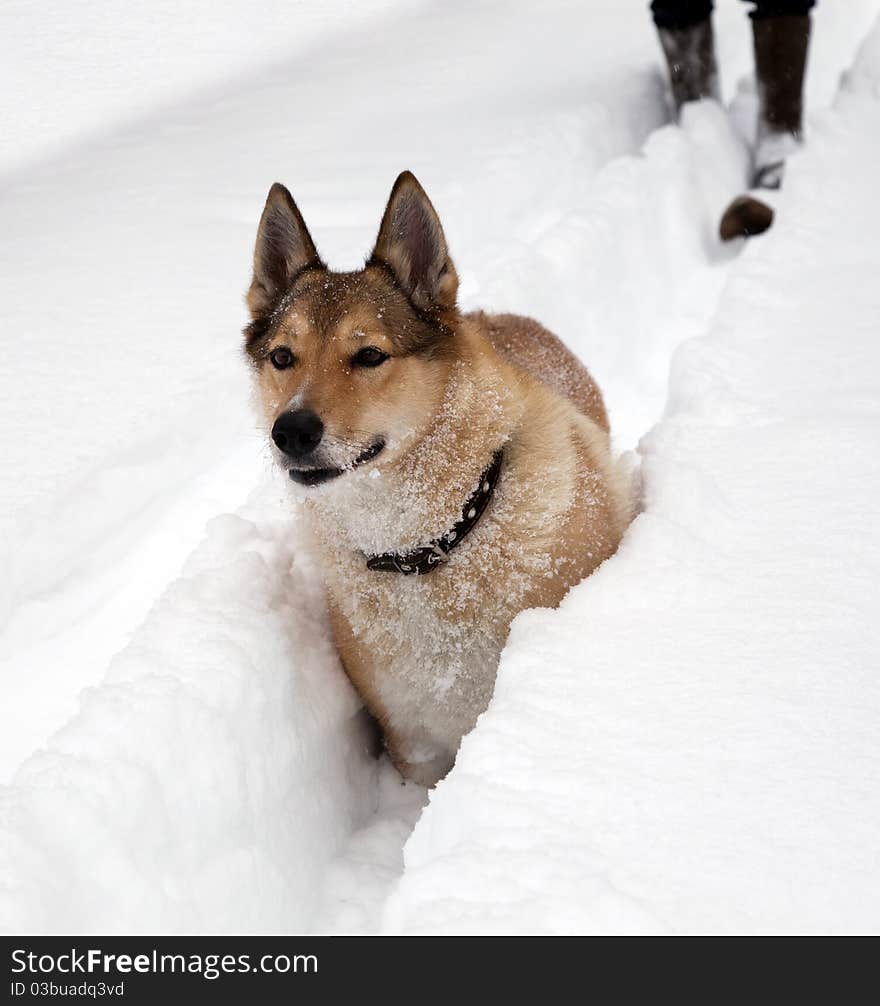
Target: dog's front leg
{"x": 418, "y": 757}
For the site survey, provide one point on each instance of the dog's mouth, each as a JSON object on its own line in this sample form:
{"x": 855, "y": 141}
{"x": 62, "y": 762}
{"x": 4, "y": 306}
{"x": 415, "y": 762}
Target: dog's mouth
{"x": 317, "y": 476}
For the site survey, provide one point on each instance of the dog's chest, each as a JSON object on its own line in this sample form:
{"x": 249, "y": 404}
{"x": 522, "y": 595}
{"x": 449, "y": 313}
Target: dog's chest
{"x": 432, "y": 665}
{"x": 429, "y": 644}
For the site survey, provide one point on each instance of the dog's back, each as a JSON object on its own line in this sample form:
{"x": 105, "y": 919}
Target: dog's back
{"x": 527, "y": 345}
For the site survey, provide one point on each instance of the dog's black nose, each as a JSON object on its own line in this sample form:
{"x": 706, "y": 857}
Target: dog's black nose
{"x": 297, "y": 433}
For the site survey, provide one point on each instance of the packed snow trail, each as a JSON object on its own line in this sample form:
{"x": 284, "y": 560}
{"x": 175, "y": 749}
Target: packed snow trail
{"x": 721, "y": 772}
{"x": 220, "y": 775}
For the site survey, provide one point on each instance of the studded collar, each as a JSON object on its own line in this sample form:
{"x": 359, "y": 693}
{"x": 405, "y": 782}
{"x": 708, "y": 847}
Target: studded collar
{"x": 436, "y": 552}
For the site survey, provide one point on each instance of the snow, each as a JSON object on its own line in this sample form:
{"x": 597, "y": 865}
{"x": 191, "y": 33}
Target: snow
{"x": 687, "y": 744}
{"x": 166, "y": 804}
{"x": 87, "y": 69}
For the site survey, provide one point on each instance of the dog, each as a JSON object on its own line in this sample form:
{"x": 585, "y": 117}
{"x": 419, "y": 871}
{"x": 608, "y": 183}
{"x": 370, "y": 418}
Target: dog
{"x": 454, "y": 469}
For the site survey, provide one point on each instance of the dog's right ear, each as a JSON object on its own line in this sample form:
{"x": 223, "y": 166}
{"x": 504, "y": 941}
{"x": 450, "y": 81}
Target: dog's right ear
{"x": 412, "y": 245}
{"x": 284, "y": 248}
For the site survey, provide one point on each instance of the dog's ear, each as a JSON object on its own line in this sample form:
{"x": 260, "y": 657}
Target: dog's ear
{"x": 284, "y": 247}
{"x": 412, "y": 244}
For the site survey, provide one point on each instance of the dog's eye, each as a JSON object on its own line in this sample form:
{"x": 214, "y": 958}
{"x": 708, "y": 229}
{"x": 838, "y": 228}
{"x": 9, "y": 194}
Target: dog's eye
{"x": 369, "y": 356}
{"x": 282, "y": 358}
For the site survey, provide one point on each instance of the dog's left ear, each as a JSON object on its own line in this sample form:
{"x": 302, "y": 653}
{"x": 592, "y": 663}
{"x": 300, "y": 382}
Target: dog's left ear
{"x": 284, "y": 247}
{"x": 412, "y": 244}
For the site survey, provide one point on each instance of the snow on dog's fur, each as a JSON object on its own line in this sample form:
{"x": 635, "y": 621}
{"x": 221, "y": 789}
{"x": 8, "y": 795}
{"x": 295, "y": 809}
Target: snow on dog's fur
{"x": 387, "y": 405}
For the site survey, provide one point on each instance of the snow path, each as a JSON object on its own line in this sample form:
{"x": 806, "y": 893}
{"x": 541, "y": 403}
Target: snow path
{"x": 219, "y": 774}
{"x": 722, "y": 773}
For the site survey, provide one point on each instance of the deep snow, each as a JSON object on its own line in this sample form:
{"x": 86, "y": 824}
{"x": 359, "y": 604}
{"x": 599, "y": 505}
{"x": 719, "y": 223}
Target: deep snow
{"x": 707, "y": 765}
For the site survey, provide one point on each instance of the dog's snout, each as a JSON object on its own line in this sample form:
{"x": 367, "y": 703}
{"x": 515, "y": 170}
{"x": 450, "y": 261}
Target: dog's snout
{"x": 297, "y": 433}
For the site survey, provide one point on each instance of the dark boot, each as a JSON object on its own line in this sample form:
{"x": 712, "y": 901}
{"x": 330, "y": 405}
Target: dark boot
{"x": 780, "y": 60}
{"x": 745, "y": 217}
{"x": 690, "y": 53}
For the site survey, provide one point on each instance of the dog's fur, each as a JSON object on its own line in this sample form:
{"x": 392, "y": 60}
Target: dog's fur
{"x": 422, "y": 651}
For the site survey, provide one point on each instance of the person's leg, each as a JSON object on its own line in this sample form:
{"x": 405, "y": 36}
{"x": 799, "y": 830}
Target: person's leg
{"x": 781, "y": 31}
{"x": 685, "y": 30}
{"x": 680, "y": 13}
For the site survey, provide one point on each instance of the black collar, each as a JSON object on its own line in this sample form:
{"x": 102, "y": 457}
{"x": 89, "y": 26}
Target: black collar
{"x": 436, "y": 552}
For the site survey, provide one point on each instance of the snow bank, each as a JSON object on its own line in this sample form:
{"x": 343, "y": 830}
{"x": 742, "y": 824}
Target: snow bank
{"x": 208, "y": 781}
{"x": 690, "y": 743}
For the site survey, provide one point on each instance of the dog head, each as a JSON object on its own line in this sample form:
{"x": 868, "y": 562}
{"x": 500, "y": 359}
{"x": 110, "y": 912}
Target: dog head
{"x": 350, "y": 366}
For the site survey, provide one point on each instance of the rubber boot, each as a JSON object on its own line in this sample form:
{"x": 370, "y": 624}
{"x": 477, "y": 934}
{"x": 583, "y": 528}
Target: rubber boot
{"x": 690, "y": 54}
{"x": 780, "y": 61}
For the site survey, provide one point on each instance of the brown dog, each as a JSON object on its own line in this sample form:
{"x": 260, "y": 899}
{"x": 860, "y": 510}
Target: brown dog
{"x": 455, "y": 468}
